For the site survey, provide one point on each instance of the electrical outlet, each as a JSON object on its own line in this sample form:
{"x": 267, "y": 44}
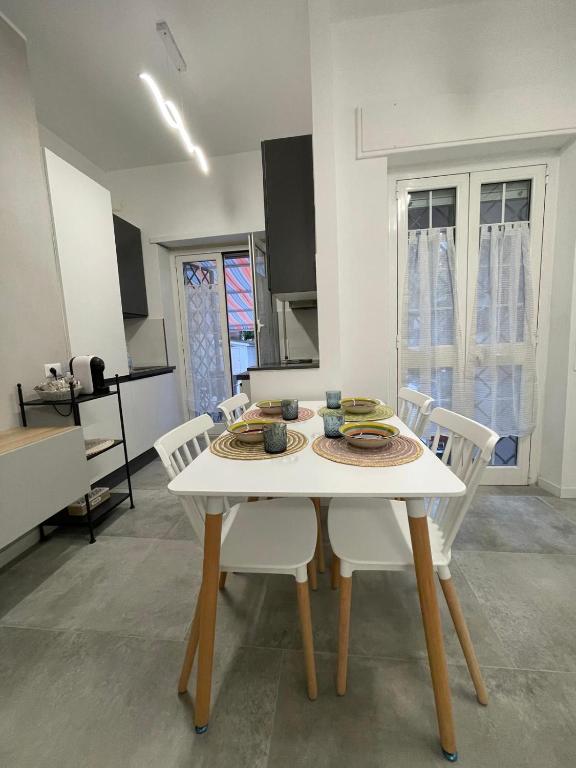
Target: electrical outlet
{"x": 56, "y": 366}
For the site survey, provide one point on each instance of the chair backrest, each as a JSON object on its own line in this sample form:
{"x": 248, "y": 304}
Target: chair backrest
{"x": 466, "y": 447}
{"x": 234, "y": 407}
{"x": 414, "y": 409}
{"x": 175, "y": 454}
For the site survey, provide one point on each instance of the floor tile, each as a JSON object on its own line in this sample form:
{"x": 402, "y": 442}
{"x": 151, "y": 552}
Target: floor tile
{"x": 516, "y": 524}
{"x": 387, "y": 718}
{"x": 152, "y": 477}
{"x": 566, "y": 507}
{"x": 94, "y": 700}
{"x": 154, "y": 515}
{"x": 385, "y": 620}
{"x": 530, "y": 602}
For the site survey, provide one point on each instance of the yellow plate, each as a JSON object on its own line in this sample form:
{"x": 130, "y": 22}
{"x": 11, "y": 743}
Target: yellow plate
{"x": 249, "y": 431}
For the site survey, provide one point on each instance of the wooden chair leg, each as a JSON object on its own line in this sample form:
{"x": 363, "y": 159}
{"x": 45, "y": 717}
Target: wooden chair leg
{"x": 313, "y": 575}
{"x": 343, "y": 633}
{"x": 222, "y": 582}
{"x": 208, "y": 608}
{"x": 432, "y": 626}
{"x": 320, "y": 538}
{"x": 191, "y": 647}
{"x": 335, "y": 571}
{"x": 307, "y": 639}
{"x": 461, "y": 627}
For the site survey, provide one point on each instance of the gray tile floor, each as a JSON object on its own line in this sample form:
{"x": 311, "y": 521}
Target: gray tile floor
{"x": 91, "y": 640}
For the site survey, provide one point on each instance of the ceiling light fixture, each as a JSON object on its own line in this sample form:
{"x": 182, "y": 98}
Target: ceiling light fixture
{"x": 174, "y": 119}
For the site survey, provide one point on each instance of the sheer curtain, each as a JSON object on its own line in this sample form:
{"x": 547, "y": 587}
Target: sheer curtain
{"x": 207, "y": 385}
{"x": 501, "y": 360}
{"x": 431, "y": 348}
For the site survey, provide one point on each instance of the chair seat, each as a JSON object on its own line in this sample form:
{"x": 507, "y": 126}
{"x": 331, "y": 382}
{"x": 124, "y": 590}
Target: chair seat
{"x": 374, "y": 534}
{"x": 276, "y": 536}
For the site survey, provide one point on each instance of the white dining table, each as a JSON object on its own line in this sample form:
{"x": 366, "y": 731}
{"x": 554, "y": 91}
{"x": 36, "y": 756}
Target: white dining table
{"x": 309, "y": 475}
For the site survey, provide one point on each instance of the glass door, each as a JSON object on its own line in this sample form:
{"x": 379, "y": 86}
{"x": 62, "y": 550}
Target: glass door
{"x": 266, "y": 322}
{"x": 469, "y": 252}
{"x": 201, "y": 288}
{"x": 432, "y": 241}
{"x": 504, "y": 253}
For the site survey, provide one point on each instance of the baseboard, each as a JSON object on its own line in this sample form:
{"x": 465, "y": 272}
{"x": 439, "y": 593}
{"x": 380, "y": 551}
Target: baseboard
{"x": 562, "y": 491}
{"x": 137, "y": 463}
{"x": 17, "y": 548}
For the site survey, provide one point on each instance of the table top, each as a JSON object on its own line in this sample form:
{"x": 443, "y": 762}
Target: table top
{"x": 307, "y": 474}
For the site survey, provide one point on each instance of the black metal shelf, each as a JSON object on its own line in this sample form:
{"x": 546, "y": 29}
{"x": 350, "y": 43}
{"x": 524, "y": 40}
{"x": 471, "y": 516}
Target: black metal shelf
{"x": 77, "y": 400}
{"x": 65, "y": 520}
{"x": 103, "y": 450}
{"x": 92, "y": 517}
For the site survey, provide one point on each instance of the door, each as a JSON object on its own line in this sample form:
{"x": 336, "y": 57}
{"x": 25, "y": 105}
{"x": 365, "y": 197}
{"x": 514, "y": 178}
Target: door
{"x": 469, "y": 251}
{"x": 504, "y": 254}
{"x": 201, "y": 290}
{"x": 266, "y": 324}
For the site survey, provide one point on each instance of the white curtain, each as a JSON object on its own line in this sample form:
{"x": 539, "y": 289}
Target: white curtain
{"x": 431, "y": 349}
{"x": 207, "y": 378}
{"x": 501, "y": 360}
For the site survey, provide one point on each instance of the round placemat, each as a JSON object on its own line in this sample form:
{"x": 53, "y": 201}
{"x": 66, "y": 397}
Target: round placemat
{"x": 303, "y": 415}
{"x": 402, "y": 450}
{"x": 380, "y": 412}
{"x": 228, "y": 446}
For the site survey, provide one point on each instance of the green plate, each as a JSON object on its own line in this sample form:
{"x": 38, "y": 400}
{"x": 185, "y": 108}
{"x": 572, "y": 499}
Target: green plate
{"x": 380, "y": 413}
{"x": 369, "y": 434}
{"x": 249, "y": 431}
{"x": 359, "y": 405}
{"x": 270, "y": 407}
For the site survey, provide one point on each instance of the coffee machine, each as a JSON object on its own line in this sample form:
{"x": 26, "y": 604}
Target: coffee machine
{"x": 89, "y": 370}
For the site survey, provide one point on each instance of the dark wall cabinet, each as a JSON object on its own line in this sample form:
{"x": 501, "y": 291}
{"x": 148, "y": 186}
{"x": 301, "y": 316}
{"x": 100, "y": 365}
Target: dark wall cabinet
{"x": 289, "y": 211}
{"x": 130, "y": 268}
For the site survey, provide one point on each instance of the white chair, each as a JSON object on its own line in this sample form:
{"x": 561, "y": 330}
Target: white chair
{"x": 374, "y": 535}
{"x": 414, "y": 409}
{"x": 276, "y": 536}
{"x": 234, "y": 407}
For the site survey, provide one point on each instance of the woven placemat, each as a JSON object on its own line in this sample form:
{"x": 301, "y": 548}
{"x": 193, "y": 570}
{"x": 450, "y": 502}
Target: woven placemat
{"x": 228, "y": 446}
{"x": 401, "y": 450}
{"x": 97, "y": 445}
{"x": 303, "y": 415}
{"x": 380, "y": 412}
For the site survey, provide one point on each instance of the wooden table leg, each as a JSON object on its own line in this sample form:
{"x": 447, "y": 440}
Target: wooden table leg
{"x": 432, "y": 626}
{"x": 208, "y": 602}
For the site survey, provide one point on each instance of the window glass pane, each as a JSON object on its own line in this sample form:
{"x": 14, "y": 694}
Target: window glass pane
{"x": 491, "y": 203}
{"x": 419, "y": 210}
{"x": 444, "y": 207}
{"x": 517, "y": 201}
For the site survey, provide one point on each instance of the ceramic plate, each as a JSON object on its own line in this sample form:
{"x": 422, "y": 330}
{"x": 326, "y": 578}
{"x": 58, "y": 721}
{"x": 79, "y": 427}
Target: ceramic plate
{"x": 359, "y": 404}
{"x": 249, "y": 431}
{"x": 271, "y": 407}
{"x": 369, "y": 434}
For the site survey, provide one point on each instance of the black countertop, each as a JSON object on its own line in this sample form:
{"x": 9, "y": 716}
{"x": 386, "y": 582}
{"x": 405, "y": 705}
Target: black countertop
{"x": 143, "y": 373}
{"x": 283, "y": 366}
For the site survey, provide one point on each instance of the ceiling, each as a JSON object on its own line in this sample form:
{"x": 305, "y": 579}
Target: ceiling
{"x": 248, "y": 75}
{"x": 354, "y": 9}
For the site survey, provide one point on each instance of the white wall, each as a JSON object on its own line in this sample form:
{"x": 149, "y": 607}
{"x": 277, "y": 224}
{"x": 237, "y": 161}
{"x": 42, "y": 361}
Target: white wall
{"x": 59, "y": 147}
{"x": 558, "y": 462}
{"x": 32, "y": 329}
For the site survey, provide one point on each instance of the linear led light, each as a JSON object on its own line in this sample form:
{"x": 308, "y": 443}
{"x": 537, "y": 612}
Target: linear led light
{"x": 173, "y": 117}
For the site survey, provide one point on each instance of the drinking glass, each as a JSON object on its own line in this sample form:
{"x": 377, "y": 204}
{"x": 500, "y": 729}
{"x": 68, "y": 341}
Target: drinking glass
{"x": 275, "y": 438}
{"x": 289, "y": 409}
{"x": 332, "y": 424}
{"x": 333, "y": 397}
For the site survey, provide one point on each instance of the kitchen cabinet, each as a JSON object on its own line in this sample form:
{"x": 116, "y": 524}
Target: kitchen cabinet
{"x": 130, "y": 268}
{"x": 289, "y": 210}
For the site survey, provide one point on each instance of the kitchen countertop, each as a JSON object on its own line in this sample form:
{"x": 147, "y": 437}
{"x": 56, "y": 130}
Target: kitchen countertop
{"x": 143, "y": 373}
{"x": 283, "y": 366}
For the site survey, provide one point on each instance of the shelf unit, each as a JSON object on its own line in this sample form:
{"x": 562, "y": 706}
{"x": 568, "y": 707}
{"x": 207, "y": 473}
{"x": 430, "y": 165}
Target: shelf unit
{"x": 96, "y": 515}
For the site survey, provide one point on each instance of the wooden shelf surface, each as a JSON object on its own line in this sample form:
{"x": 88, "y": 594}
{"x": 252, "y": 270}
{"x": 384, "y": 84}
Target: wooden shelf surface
{"x": 20, "y": 437}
